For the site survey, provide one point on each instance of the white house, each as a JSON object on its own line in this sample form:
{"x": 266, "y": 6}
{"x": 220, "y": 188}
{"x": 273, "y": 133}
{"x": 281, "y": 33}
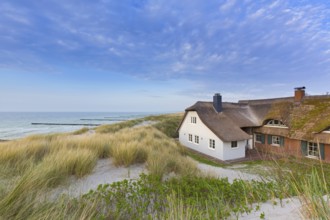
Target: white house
{"x": 209, "y": 128}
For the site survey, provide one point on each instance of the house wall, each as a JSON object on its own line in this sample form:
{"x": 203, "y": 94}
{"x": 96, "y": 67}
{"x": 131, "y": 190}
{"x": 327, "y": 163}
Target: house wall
{"x": 230, "y": 153}
{"x": 327, "y": 152}
{"x": 222, "y": 151}
{"x": 291, "y": 147}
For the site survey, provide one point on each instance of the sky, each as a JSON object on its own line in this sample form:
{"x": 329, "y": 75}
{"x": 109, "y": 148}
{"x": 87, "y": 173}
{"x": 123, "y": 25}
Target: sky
{"x": 159, "y": 55}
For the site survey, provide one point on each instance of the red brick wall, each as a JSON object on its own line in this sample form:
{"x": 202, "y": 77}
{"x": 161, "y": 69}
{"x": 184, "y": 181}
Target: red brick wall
{"x": 327, "y": 152}
{"x": 291, "y": 146}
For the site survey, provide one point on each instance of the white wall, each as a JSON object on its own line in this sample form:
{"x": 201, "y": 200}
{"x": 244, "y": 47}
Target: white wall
{"x": 234, "y": 153}
{"x": 222, "y": 151}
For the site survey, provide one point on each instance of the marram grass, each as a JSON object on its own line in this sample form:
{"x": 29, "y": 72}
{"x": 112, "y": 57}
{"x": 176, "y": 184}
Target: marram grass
{"x": 39, "y": 163}
{"x": 32, "y": 166}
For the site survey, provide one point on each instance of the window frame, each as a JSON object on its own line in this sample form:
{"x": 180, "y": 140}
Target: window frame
{"x": 315, "y": 149}
{"x": 193, "y": 120}
{"x": 212, "y": 144}
{"x": 234, "y": 144}
{"x": 196, "y": 139}
{"x": 190, "y": 138}
{"x": 276, "y": 140}
{"x": 275, "y": 123}
{"x": 258, "y": 135}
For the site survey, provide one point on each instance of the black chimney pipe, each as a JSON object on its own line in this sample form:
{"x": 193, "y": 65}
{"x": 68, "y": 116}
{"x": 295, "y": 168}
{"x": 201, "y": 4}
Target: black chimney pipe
{"x": 217, "y": 102}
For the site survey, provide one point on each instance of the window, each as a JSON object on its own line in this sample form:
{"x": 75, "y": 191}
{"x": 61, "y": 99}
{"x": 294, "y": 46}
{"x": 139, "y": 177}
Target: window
{"x": 212, "y": 144}
{"x": 196, "y": 139}
{"x": 259, "y": 138}
{"x": 276, "y": 140}
{"x": 193, "y": 120}
{"x": 275, "y": 123}
{"x": 233, "y": 144}
{"x": 313, "y": 149}
{"x": 327, "y": 130}
{"x": 190, "y": 137}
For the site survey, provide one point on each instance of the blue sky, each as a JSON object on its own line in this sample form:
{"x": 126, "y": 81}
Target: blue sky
{"x": 157, "y": 55}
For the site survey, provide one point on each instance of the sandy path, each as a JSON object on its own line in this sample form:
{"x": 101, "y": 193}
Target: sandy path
{"x": 104, "y": 172}
{"x": 229, "y": 173}
{"x": 290, "y": 208}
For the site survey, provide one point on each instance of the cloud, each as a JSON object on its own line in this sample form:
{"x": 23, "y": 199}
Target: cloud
{"x": 227, "y": 5}
{"x": 214, "y": 44}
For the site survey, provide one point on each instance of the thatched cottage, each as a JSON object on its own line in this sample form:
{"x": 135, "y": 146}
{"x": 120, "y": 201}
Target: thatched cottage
{"x": 298, "y": 125}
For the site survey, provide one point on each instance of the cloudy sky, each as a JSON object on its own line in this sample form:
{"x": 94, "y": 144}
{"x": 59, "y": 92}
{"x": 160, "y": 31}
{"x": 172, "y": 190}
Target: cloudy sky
{"x": 158, "y": 55}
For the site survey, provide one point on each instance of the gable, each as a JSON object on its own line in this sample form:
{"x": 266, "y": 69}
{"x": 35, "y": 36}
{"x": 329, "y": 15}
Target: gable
{"x": 219, "y": 123}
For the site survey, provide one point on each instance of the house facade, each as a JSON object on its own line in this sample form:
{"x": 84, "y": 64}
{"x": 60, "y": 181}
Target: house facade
{"x": 195, "y": 135}
{"x": 298, "y": 125}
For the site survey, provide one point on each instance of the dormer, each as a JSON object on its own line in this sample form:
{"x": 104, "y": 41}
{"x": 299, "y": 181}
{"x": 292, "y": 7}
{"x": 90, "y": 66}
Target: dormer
{"x": 275, "y": 123}
{"x": 327, "y": 130}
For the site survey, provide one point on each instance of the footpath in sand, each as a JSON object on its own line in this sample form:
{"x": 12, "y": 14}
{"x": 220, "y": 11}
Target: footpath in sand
{"x": 105, "y": 172}
{"x": 286, "y": 210}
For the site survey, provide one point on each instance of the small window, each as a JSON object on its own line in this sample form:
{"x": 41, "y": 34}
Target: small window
{"x": 276, "y": 140}
{"x": 193, "y": 120}
{"x": 212, "y": 144}
{"x": 190, "y": 138}
{"x": 233, "y": 144}
{"x": 258, "y": 138}
{"x": 196, "y": 139}
{"x": 276, "y": 123}
{"x": 313, "y": 149}
{"x": 327, "y": 130}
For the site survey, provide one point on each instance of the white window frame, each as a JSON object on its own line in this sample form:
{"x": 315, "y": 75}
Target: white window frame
{"x": 276, "y": 123}
{"x": 234, "y": 143}
{"x": 258, "y": 135}
{"x": 212, "y": 144}
{"x": 313, "y": 150}
{"x": 327, "y": 131}
{"x": 193, "y": 119}
{"x": 190, "y": 137}
{"x": 196, "y": 139}
{"x": 276, "y": 140}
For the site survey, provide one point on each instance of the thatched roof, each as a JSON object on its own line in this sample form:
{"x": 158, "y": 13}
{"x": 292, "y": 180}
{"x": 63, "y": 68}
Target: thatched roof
{"x": 305, "y": 120}
{"x": 219, "y": 123}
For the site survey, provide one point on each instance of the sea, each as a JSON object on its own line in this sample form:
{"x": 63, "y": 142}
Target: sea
{"x": 15, "y": 125}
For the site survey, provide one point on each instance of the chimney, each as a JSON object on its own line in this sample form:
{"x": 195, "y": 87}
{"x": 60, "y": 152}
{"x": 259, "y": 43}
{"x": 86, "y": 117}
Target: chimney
{"x": 217, "y": 102}
{"x": 299, "y": 93}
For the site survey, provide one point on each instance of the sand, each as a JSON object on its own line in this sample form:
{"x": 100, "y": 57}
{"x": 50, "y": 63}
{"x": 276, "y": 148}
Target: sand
{"x": 226, "y": 173}
{"x": 289, "y": 209}
{"x": 106, "y": 172}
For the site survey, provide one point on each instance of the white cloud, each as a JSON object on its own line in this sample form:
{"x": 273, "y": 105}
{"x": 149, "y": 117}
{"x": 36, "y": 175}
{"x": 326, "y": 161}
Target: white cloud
{"x": 227, "y": 5}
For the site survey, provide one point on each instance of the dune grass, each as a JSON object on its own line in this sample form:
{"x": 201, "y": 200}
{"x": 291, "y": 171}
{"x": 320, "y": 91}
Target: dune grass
{"x": 306, "y": 178}
{"x": 32, "y": 166}
{"x": 38, "y": 163}
{"x": 112, "y": 128}
{"x": 80, "y": 131}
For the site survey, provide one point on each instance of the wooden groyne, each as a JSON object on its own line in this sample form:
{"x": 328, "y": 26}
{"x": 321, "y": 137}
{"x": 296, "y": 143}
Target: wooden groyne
{"x": 87, "y": 119}
{"x": 33, "y": 123}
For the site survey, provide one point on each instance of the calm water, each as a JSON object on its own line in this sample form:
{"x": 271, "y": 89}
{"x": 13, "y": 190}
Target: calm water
{"x": 18, "y": 124}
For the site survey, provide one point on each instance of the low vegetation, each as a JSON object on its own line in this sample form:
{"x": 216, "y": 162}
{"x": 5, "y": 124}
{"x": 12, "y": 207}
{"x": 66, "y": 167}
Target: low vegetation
{"x": 173, "y": 188}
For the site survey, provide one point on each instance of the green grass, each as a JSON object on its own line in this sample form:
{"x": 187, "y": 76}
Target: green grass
{"x": 112, "y": 128}
{"x": 168, "y": 124}
{"x": 81, "y": 131}
{"x": 31, "y": 167}
{"x": 203, "y": 159}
